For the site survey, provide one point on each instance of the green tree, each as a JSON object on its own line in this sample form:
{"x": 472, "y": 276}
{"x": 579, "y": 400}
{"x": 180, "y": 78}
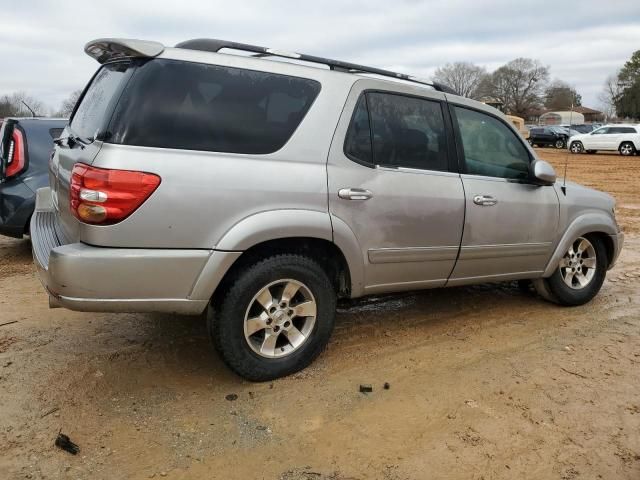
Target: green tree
{"x": 628, "y": 99}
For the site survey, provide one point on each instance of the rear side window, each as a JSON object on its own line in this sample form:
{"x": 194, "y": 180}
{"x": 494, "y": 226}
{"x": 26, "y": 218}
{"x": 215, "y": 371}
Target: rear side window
{"x": 622, "y": 130}
{"x": 193, "y": 106}
{"x": 357, "y": 145}
{"x": 490, "y": 147}
{"x": 95, "y": 106}
{"x": 399, "y": 131}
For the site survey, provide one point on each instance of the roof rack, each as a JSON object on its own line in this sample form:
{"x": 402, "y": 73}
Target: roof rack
{"x": 213, "y": 45}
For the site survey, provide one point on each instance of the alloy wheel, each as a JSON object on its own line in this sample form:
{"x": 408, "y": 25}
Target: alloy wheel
{"x": 576, "y": 147}
{"x": 578, "y": 266}
{"x": 280, "y": 318}
{"x": 626, "y": 149}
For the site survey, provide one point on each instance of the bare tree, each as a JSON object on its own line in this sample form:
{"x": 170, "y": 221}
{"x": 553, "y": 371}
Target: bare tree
{"x": 519, "y": 85}
{"x": 20, "y": 104}
{"x": 463, "y": 77}
{"x": 560, "y": 95}
{"x": 610, "y": 94}
{"x": 67, "y": 105}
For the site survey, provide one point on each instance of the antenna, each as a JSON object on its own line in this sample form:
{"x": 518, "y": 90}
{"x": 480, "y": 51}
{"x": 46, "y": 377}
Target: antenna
{"x": 566, "y": 159}
{"x": 33, "y": 114}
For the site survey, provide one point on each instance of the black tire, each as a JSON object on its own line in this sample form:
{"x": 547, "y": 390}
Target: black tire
{"x": 530, "y": 142}
{"x": 576, "y": 147}
{"x": 565, "y": 295}
{"x": 559, "y": 144}
{"x": 226, "y": 320}
{"x": 627, "y": 149}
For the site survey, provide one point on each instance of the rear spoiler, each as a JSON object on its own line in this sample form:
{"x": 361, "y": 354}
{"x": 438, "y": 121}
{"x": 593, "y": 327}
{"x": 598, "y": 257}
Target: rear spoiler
{"x": 109, "y": 49}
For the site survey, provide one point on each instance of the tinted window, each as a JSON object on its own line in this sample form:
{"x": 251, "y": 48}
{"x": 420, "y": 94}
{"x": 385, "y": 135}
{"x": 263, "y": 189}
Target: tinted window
{"x": 536, "y": 131}
{"x": 622, "y": 130}
{"x": 357, "y": 145}
{"x": 55, "y": 132}
{"x": 490, "y": 147}
{"x": 195, "y": 106}
{"x": 407, "y": 132}
{"x": 93, "y": 111}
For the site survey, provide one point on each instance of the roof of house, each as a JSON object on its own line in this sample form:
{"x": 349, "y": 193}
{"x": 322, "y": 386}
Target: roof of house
{"x": 585, "y": 110}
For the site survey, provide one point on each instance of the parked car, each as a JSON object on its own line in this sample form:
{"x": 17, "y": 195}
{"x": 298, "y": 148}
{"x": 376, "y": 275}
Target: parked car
{"x": 623, "y": 138}
{"x": 548, "y": 136}
{"x": 583, "y": 128}
{"x": 259, "y": 192}
{"x": 25, "y": 148}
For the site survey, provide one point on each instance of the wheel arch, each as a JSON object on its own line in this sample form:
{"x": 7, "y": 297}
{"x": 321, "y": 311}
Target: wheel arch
{"x": 597, "y": 224}
{"x": 284, "y": 231}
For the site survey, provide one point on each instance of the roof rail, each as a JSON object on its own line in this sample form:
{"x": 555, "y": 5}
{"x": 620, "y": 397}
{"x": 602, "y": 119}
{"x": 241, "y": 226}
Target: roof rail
{"x": 213, "y": 45}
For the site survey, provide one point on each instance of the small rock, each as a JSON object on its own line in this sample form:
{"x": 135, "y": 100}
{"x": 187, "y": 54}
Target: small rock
{"x": 232, "y": 397}
{"x": 366, "y": 388}
{"x": 387, "y": 385}
{"x": 163, "y": 474}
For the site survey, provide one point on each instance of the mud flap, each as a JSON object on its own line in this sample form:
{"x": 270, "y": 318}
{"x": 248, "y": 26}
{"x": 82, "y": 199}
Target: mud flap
{"x": 542, "y": 287}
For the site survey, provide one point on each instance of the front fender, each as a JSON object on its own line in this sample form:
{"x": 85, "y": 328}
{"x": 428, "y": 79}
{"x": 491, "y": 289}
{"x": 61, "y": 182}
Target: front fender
{"x": 585, "y": 223}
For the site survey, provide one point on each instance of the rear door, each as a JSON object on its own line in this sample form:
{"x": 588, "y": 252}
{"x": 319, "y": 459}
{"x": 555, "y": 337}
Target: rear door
{"x": 82, "y": 139}
{"x": 510, "y": 222}
{"x": 391, "y": 182}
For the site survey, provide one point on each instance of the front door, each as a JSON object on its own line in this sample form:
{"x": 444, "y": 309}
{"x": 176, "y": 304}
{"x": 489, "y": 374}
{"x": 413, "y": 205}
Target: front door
{"x": 510, "y": 222}
{"x": 391, "y": 183}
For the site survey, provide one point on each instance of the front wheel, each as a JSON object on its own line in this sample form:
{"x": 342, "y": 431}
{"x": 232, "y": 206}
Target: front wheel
{"x": 576, "y": 147}
{"x": 275, "y": 319}
{"x": 580, "y": 273}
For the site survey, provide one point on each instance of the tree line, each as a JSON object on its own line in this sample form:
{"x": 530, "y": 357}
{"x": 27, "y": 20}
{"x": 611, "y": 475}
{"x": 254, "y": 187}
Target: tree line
{"x": 522, "y": 86}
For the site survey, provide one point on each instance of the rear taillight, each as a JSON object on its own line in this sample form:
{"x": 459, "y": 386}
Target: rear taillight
{"x": 102, "y": 196}
{"x": 16, "y": 158}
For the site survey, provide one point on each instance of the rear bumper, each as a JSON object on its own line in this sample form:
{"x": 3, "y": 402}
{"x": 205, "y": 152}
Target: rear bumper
{"x": 82, "y": 277}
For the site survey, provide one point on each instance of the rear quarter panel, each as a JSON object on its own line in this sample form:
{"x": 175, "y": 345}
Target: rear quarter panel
{"x": 203, "y": 195}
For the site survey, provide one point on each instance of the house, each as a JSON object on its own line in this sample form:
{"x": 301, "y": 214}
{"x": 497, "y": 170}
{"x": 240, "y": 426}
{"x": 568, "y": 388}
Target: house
{"x": 590, "y": 115}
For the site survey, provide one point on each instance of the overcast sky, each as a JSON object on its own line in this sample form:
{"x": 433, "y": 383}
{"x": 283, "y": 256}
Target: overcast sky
{"x": 41, "y": 42}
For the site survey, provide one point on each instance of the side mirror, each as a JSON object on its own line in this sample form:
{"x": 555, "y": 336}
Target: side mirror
{"x": 544, "y": 173}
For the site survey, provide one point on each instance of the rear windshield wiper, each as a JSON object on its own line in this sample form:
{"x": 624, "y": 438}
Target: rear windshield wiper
{"x": 72, "y": 139}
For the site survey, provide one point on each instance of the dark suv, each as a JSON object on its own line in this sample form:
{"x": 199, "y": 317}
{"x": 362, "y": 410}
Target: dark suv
{"x": 548, "y": 136}
{"x": 25, "y": 148}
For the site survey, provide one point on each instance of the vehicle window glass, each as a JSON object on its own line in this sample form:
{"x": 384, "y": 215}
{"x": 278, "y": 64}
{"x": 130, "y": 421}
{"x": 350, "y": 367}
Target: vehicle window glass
{"x": 490, "y": 147}
{"x": 407, "y": 132}
{"x": 600, "y": 131}
{"x": 91, "y": 115}
{"x": 625, "y": 130}
{"x": 194, "y": 106}
{"x": 55, "y": 132}
{"x": 357, "y": 144}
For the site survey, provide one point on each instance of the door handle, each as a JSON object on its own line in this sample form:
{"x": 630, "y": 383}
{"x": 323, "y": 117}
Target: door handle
{"x": 484, "y": 200}
{"x": 355, "y": 194}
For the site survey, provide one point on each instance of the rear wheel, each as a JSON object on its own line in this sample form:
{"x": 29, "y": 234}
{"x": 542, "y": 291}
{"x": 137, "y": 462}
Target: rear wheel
{"x": 627, "y": 149}
{"x": 559, "y": 143}
{"x": 580, "y": 273}
{"x": 576, "y": 147}
{"x": 275, "y": 319}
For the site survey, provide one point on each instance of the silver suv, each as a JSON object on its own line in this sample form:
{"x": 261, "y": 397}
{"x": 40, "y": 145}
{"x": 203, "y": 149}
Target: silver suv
{"x": 259, "y": 187}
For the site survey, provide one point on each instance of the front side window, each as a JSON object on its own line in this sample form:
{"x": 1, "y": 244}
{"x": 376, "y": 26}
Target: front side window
{"x": 490, "y": 147}
{"x": 600, "y": 131}
{"x": 195, "y": 106}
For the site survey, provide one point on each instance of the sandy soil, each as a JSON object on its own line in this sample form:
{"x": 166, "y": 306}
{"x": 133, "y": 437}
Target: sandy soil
{"x": 486, "y": 382}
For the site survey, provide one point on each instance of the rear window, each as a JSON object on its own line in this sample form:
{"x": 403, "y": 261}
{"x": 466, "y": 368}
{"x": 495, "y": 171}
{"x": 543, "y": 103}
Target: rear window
{"x": 193, "y": 106}
{"x": 96, "y": 104}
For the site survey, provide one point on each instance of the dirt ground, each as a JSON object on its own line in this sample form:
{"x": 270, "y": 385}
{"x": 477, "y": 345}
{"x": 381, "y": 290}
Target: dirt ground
{"x": 486, "y": 382}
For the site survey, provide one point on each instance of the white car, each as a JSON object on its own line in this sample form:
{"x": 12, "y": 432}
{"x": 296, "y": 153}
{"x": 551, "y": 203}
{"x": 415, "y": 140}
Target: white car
{"x": 623, "y": 138}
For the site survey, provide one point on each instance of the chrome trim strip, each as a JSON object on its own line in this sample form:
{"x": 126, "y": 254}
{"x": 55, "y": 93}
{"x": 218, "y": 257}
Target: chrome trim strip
{"x": 472, "y": 252}
{"x": 411, "y": 254}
